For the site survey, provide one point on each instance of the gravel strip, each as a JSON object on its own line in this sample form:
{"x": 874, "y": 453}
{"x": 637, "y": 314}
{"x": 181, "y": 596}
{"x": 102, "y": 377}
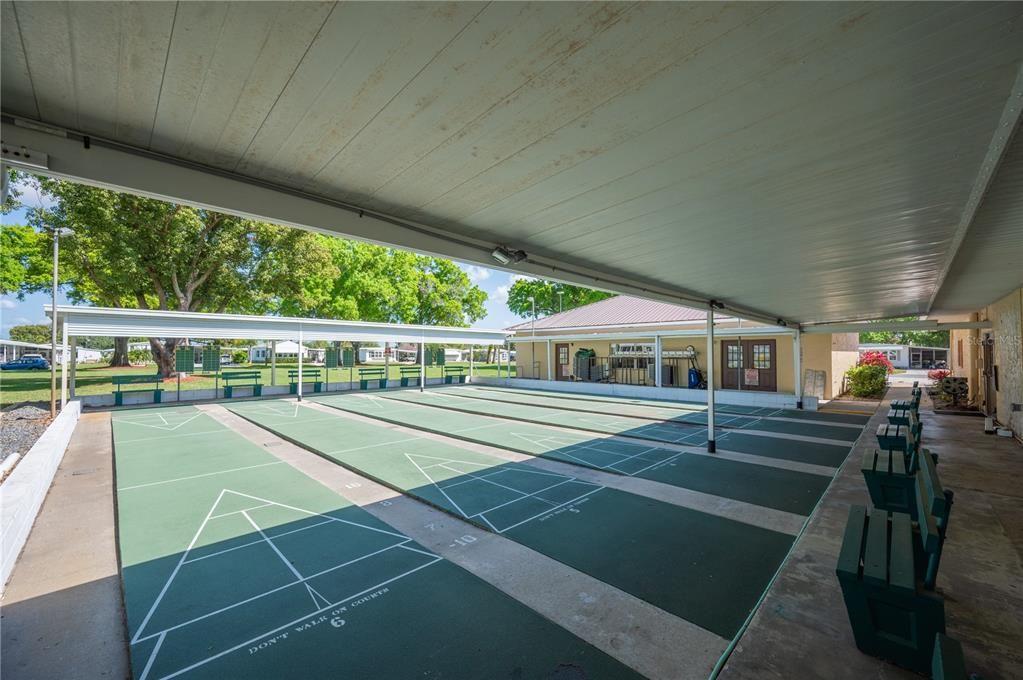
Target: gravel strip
{"x": 20, "y": 427}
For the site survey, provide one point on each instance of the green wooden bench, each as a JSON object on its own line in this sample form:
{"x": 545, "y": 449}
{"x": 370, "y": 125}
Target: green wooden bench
{"x": 309, "y": 375}
{"x": 905, "y": 438}
{"x": 453, "y": 374}
{"x": 893, "y": 615}
{"x": 155, "y": 380}
{"x": 948, "y": 662}
{"x": 409, "y": 373}
{"x": 246, "y": 378}
{"x": 893, "y": 482}
{"x": 377, "y": 374}
{"x": 900, "y": 407}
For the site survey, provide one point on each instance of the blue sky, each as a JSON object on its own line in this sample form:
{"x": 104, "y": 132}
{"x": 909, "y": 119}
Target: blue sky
{"x": 15, "y": 312}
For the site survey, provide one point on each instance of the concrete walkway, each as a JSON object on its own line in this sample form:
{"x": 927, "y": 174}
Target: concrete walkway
{"x": 802, "y": 630}
{"x": 62, "y": 615}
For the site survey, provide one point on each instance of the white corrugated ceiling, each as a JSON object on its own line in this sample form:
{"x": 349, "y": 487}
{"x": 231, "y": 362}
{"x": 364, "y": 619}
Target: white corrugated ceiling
{"x": 811, "y": 161}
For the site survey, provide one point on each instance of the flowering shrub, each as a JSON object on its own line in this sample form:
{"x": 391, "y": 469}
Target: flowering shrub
{"x": 938, "y": 374}
{"x": 867, "y": 380}
{"x": 876, "y": 359}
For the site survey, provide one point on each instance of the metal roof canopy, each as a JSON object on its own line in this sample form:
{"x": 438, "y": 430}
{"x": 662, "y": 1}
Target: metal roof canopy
{"x": 799, "y": 161}
{"x": 108, "y": 321}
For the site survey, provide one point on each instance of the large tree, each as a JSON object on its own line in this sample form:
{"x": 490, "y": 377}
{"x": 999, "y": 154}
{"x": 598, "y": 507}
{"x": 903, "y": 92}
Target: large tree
{"x": 129, "y": 251}
{"x": 545, "y": 294}
{"x": 920, "y": 338}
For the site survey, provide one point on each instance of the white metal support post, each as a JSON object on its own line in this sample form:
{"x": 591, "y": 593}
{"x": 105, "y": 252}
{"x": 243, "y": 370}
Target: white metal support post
{"x": 550, "y": 363}
{"x": 797, "y": 362}
{"x": 658, "y": 369}
{"x": 300, "y": 363}
{"x": 64, "y": 367}
{"x": 273, "y": 363}
{"x": 422, "y": 365}
{"x": 472, "y": 348}
{"x": 711, "y": 444}
{"x": 74, "y": 364}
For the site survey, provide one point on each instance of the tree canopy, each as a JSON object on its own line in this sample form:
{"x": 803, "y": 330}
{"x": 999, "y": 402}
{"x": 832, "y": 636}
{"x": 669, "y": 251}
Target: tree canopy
{"x": 546, "y": 295}
{"x": 135, "y": 252}
{"x": 919, "y": 338}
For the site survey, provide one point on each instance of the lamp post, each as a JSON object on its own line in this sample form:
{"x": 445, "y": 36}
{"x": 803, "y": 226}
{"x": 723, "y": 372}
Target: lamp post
{"x": 532, "y": 331}
{"x": 57, "y": 233}
{"x": 561, "y": 306}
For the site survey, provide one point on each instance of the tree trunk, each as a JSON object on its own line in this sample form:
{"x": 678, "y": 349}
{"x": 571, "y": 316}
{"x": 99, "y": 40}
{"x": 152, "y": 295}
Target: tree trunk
{"x": 120, "y": 355}
{"x": 163, "y": 355}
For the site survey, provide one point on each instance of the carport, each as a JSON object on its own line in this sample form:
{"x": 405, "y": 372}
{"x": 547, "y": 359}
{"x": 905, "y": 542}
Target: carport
{"x": 807, "y": 165}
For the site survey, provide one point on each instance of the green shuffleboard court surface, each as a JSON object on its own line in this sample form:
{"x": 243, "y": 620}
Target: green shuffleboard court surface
{"x": 787, "y": 490}
{"x": 737, "y": 409}
{"x": 236, "y": 565}
{"x": 657, "y": 413}
{"x": 593, "y": 422}
{"x": 706, "y": 569}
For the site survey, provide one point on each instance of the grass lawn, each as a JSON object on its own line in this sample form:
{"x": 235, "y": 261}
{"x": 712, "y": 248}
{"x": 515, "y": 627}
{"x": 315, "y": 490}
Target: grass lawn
{"x": 18, "y": 386}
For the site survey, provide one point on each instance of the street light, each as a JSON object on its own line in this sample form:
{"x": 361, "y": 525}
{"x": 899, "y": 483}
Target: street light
{"x": 57, "y": 233}
{"x": 561, "y": 307}
{"x": 532, "y": 331}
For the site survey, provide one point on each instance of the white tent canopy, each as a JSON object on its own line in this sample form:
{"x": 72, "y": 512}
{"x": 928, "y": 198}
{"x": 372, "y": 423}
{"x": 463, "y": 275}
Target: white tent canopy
{"x": 106, "y": 321}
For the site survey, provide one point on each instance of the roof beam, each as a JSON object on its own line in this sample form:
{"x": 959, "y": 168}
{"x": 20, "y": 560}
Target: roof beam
{"x": 66, "y": 154}
{"x": 871, "y": 326}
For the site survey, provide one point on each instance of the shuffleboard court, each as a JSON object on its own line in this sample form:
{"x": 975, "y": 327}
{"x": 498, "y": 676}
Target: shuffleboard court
{"x": 791, "y": 491}
{"x": 236, "y": 565}
{"x": 692, "y": 435}
{"x": 681, "y": 405}
{"x": 823, "y": 430}
{"x": 706, "y": 569}
{"x": 781, "y": 447}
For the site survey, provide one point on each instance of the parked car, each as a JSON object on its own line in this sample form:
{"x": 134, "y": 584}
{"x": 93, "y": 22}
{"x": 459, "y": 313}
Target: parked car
{"x": 27, "y": 363}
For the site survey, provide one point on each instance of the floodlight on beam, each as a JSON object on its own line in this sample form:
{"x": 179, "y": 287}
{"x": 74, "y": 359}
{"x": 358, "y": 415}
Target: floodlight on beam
{"x": 506, "y": 256}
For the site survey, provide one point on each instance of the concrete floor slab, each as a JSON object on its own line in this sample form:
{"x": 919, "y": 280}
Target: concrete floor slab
{"x": 62, "y": 614}
{"x": 802, "y": 629}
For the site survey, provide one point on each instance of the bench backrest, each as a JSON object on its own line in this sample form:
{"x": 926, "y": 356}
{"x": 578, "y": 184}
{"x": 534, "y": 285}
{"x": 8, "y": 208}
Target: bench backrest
{"x": 408, "y": 370}
{"x": 306, "y": 373}
{"x": 933, "y": 507}
{"x": 363, "y": 372}
{"x": 454, "y": 370}
{"x": 136, "y": 379}
{"x": 241, "y": 375}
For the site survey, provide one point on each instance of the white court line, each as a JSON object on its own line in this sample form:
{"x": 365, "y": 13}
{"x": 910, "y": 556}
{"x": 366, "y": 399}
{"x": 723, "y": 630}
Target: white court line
{"x": 235, "y": 512}
{"x": 373, "y": 446}
{"x": 546, "y": 512}
{"x": 299, "y": 619}
{"x": 165, "y": 427}
{"x": 152, "y": 656}
{"x": 516, "y": 500}
{"x": 205, "y": 474}
{"x": 265, "y": 593}
{"x": 429, "y": 479}
{"x": 163, "y": 591}
{"x": 277, "y": 550}
{"x": 252, "y": 543}
{"x": 320, "y": 514}
{"x": 482, "y": 479}
{"x": 164, "y": 437}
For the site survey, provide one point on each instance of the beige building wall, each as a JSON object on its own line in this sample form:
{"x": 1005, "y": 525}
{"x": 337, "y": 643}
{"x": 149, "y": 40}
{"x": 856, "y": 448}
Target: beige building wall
{"x": 1006, "y": 317}
{"x": 830, "y": 353}
{"x": 965, "y": 355}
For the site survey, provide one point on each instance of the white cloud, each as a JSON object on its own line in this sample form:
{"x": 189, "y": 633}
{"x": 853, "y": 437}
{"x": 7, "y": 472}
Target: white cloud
{"x": 31, "y": 196}
{"x": 476, "y": 273}
{"x": 501, "y": 294}
{"x": 512, "y": 278}
{"x": 7, "y": 304}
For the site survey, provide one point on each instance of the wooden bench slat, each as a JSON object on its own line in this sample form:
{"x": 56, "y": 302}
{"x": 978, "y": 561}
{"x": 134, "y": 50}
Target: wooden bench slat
{"x": 898, "y": 464}
{"x": 875, "y": 559}
{"x": 852, "y": 541}
{"x": 929, "y": 536}
{"x": 901, "y": 574}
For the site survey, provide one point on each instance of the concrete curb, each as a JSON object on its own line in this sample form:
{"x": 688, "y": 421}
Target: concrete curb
{"x": 22, "y": 493}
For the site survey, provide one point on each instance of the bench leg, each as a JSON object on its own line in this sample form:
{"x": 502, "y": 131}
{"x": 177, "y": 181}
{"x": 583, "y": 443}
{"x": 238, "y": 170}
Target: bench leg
{"x": 383, "y": 383}
{"x": 404, "y": 382}
{"x": 228, "y": 391}
{"x": 118, "y": 399}
{"x": 317, "y": 386}
{"x": 293, "y": 388}
{"x": 157, "y": 396}
{"x": 363, "y": 384}
{"x": 257, "y": 390}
